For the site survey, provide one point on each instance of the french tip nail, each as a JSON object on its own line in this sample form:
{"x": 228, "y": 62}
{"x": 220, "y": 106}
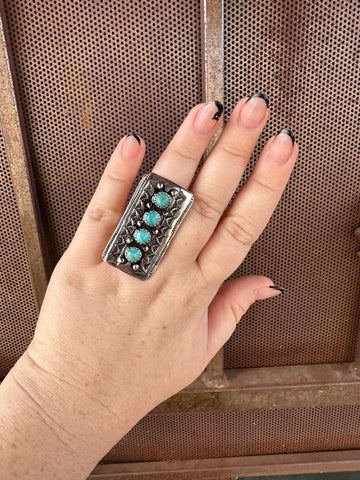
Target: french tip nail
{"x": 135, "y": 136}
{"x": 260, "y": 95}
{"x": 288, "y": 132}
{"x": 281, "y": 289}
{"x": 220, "y": 108}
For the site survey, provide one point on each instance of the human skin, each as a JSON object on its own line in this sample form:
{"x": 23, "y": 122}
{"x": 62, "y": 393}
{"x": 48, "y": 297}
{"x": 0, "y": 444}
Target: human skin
{"x": 109, "y": 347}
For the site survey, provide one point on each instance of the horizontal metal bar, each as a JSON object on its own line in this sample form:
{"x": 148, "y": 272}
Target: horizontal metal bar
{"x": 256, "y": 465}
{"x": 271, "y": 387}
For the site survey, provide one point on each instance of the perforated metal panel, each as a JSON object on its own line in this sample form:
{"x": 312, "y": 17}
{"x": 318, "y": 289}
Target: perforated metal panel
{"x": 305, "y": 56}
{"x": 232, "y": 434}
{"x": 18, "y": 306}
{"x": 89, "y": 73}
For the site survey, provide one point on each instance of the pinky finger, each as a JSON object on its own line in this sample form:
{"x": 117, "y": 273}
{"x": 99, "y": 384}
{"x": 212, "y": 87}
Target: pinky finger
{"x": 230, "y": 303}
{"x": 108, "y": 202}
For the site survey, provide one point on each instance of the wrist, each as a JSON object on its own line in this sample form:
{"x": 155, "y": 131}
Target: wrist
{"x": 53, "y": 423}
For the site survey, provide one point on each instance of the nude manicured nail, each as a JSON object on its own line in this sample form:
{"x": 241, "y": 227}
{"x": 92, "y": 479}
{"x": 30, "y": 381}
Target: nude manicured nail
{"x": 282, "y": 146}
{"x": 268, "y": 292}
{"x": 254, "y": 110}
{"x": 131, "y": 146}
{"x": 208, "y": 116}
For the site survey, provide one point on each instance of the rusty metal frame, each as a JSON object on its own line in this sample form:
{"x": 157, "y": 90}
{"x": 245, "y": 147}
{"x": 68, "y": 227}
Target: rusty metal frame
{"x": 256, "y": 465}
{"x": 17, "y": 151}
{"x": 212, "y": 57}
{"x": 270, "y": 387}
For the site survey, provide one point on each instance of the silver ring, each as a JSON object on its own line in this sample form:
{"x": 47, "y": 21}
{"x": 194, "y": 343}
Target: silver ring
{"x": 150, "y": 221}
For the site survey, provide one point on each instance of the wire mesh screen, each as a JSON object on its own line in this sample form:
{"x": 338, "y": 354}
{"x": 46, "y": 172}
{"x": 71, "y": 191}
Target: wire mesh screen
{"x": 305, "y": 57}
{"x": 89, "y": 73}
{"x": 18, "y": 306}
{"x": 231, "y": 434}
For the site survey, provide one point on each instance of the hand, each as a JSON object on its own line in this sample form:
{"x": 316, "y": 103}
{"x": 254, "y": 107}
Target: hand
{"x": 127, "y": 344}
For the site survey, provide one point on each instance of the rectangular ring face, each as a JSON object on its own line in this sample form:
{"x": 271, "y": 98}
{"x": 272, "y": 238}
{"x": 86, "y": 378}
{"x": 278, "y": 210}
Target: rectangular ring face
{"x": 150, "y": 221}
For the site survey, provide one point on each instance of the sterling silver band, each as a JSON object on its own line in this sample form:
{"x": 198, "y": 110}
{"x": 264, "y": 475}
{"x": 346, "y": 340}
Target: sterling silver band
{"x": 151, "y": 219}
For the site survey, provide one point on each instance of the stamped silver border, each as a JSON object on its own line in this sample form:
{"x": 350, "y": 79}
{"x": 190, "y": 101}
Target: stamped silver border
{"x": 161, "y": 235}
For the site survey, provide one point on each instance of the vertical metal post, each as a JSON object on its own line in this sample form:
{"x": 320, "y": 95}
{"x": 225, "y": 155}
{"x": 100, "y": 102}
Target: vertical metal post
{"x": 212, "y": 33}
{"x": 11, "y": 124}
{"x": 212, "y": 53}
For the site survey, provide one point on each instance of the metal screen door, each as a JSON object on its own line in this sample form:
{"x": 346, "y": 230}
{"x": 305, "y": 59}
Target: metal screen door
{"x": 283, "y": 396}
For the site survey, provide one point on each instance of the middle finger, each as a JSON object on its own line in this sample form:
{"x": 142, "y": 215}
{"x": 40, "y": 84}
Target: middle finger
{"x": 222, "y": 171}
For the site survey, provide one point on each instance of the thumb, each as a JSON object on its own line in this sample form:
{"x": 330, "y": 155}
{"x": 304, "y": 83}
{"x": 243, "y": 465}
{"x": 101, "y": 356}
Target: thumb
{"x": 230, "y": 304}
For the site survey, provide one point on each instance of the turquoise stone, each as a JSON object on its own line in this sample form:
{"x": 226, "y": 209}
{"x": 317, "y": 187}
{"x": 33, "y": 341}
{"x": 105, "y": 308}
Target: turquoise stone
{"x": 152, "y": 218}
{"x": 161, "y": 200}
{"x": 142, "y": 236}
{"x": 133, "y": 254}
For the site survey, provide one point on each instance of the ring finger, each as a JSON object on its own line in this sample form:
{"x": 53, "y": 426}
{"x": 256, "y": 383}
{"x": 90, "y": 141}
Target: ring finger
{"x": 251, "y": 209}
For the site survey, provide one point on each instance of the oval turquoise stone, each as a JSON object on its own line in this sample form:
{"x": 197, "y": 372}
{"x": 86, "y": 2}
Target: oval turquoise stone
{"x": 142, "y": 236}
{"x": 133, "y": 254}
{"x": 152, "y": 218}
{"x": 161, "y": 200}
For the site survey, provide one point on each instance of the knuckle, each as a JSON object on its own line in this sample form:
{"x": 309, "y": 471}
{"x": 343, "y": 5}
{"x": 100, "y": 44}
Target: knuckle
{"x": 71, "y": 274}
{"x": 208, "y": 207}
{"x": 265, "y": 185}
{"x": 99, "y": 213}
{"x": 114, "y": 175}
{"x": 233, "y": 152}
{"x": 240, "y": 229}
{"x": 238, "y": 311}
{"x": 184, "y": 153}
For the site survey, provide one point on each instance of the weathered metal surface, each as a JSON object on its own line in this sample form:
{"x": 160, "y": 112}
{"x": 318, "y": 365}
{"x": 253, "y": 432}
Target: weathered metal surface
{"x": 18, "y": 157}
{"x": 212, "y": 26}
{"x": 212, "y": 34}
{"x": 214, "y": 373}
{"x": 269, "y": 388}
{"x": 216, "y": 468}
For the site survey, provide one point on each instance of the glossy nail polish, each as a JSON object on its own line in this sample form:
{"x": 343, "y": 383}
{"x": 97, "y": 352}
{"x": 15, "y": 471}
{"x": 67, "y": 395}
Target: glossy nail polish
{"x": 135, "y": 136}
{"x": 281, "y": 289}
{"x": 267, "y": 292}
{"x": 253, "y": 112}
{"x": 220, "y": 108}
{"x": 259, "y": 95}
{"x": 131, "y": 146}
{"x": 207, "y": 117}
{"x": 287, "y": 131}
{"x": 282, "y": 146}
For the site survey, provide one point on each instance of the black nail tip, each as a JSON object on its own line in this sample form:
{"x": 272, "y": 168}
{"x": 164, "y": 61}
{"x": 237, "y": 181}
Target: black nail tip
{"x": 135, "y": 136}
{"x": 260, "y": 95}
{"x": 220, "y": 108}
{"x": 288, "y": 132}
{"x": 281, "y": 289}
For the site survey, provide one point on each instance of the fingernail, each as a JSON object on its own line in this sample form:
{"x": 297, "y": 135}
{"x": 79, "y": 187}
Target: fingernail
{"x": 260, "y": 95}
{"x": 208, "y": 116}
{"x": 131, "y": 146}
{"x": 282, "y": 146}
{"x": 254, "y": 110}
{"x": 281, "y": 289}
{"x": 268, "y": 292}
